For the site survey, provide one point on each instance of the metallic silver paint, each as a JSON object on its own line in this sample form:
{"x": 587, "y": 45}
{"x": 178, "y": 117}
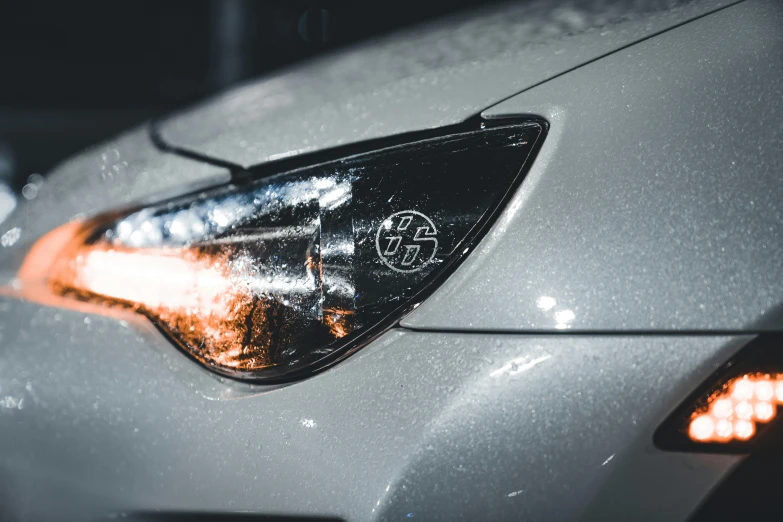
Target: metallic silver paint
{"x": 417, "y": 79}
{"x": 102, "y": 416}
{"x": 656, "y": 203}
{"x": 125, "y": 171}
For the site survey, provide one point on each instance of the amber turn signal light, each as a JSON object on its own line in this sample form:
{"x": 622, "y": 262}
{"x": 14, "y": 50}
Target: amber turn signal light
{"x": 736, "y": 410}
{"x": 734, "y": 413}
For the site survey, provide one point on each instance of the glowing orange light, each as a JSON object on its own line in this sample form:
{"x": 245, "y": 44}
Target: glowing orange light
{"x": 732, "y": 413}
{"x": 764, "y": 391}
{"x": 702, "y": 427}
{"x": 743, "y": 389}
{"x": 722, "y": 408}
{"x": 157, "y": 280}
{"x": 214, "y": 299}
{"x": 723, "y": 429}
{"x": 743, "y": 410}
{"x": 743, "y": 429}
{"x": 764, "y": 411}
{"x": 193, "y": 294}
{"x": 339, "y": 322}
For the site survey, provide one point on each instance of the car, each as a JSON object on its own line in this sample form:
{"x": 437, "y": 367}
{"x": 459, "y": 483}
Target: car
{"x": 522, "y": 263}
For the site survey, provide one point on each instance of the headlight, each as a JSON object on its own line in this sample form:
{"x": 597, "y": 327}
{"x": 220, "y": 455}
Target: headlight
{"x": 269, "y": 278}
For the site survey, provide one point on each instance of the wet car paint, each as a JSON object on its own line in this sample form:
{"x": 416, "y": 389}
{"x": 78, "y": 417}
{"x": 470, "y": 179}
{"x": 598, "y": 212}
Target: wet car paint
{"x": 105, "y": 418}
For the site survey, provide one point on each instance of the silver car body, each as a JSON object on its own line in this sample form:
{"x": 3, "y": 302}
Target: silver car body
{"x": 640, "y": 253}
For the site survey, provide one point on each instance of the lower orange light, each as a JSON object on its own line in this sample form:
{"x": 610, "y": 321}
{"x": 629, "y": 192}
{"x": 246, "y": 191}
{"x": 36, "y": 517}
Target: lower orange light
{"x": 191, "y": 294}
{"x": 214, "y": 300}
{"x": 733, "y": 412}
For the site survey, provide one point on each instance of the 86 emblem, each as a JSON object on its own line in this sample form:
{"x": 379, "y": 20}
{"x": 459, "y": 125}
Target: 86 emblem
{"x": 406, "y": 241}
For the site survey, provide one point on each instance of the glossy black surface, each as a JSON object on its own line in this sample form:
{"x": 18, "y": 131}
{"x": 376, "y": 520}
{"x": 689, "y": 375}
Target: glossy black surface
{"x": 308, "y": 261}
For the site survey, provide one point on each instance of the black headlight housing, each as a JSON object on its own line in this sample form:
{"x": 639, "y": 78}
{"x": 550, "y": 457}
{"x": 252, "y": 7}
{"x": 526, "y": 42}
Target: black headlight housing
{"x": 282, "y": 273}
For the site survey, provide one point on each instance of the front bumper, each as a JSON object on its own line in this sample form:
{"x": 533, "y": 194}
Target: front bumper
{"x": 102, "y": 416}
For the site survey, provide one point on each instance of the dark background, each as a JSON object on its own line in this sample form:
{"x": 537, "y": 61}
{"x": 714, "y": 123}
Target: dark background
{"x": 77, "y": 72}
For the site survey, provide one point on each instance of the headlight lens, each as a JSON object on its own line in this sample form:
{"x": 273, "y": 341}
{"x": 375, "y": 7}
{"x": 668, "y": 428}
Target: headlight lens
{"x": 273, "y": 277}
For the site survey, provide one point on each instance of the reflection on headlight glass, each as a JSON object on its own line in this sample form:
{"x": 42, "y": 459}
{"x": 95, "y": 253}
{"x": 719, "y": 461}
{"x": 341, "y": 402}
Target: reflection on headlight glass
{"x": 267, "y": 278}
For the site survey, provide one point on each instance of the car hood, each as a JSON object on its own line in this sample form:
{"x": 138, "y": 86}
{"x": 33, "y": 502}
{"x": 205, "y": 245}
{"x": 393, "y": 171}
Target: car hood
{"x": 422, "y": 78}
